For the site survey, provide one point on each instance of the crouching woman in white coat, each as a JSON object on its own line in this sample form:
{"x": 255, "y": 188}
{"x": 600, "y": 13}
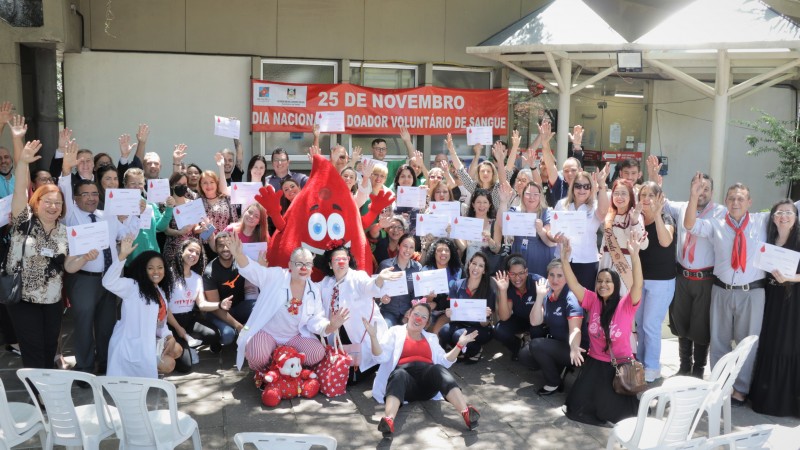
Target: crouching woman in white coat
{"x": 414, "y": 367}
{"x": 288, "y": 310}
{"x": 345, "y": 288}
{"x": 141, "y": 344}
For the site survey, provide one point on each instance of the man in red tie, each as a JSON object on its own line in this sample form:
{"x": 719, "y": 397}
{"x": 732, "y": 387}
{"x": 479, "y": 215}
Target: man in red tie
{"x": 737, "y": 297}
{"x": 690, "y": 309}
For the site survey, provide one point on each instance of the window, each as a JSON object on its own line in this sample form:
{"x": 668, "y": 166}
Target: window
{"x": 296, "y": 71}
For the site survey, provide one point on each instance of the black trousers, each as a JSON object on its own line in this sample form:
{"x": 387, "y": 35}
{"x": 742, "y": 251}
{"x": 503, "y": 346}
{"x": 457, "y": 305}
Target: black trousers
{"x": 37, "y": 327}
{"x": 419, "y": 381}
{"x": 198, "y": 328}
{"x": 549, "y": 355}
{"x": 505, "y": 331}
{"x": 7, "y": 326}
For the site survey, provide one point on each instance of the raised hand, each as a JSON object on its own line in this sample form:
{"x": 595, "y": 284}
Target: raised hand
{"x": 576, "y": 137}
{"x": 235, "y": 244}
{"x": 697, "y": 186}
{"x": 546, "y": 132}
{"x": 388, "y": 274}
{"x": 313, "y": 151}
{"x": 18, "y": 127}
{"x": 449, "y": 142}
{"x": 315, "y": 131}
{"x": 126, "y": 247}
{"x": 29, "y": 152}
{"x": 499, "y": 153}
{"x": 658, "y": 204}
{"x": 125, "y": 146}
{"x": 635, "y": 242}
{"x": 541, "y": 287}
{"x": 372, "y": 329}
{"x": 515, "y": 139}
{"x": 64, "y": 137}
{"x": 404, "y": 134}
{"x": 357, "y": 153}
{"x": 339, "y": 317}
{"x": 506, "y": 192}
{"x": 566, "y": 248}
{"x": 269, "y": 199}
{"x": 70, "y": 156}
{"x": 178, "y": 153}
{"x": 477, "y": 149}
{"x": 219, "y": 159}
{"x": 142, "y": 133}
{"x": 367, "y": 167}
{"x": 467, "y": 338}
{"x": 6, "y": 109}
{"x": 501, "y": 279}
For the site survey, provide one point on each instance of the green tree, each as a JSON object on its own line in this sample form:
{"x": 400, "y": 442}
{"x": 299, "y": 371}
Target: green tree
{"x": 772, "y": 135}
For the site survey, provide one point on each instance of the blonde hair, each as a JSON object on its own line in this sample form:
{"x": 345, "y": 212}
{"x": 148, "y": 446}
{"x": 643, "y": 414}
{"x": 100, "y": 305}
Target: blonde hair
{"x": 571, "y": 192}
{"x": 381, "y": 169}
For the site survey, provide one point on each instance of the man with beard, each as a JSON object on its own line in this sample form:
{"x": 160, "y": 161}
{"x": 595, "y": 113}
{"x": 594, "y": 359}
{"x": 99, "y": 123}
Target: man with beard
{"x": 221, "y": 280}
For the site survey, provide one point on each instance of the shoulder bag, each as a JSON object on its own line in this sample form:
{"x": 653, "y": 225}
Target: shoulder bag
{"x": 11, "y": 283}
{"x": 629, "y": 375}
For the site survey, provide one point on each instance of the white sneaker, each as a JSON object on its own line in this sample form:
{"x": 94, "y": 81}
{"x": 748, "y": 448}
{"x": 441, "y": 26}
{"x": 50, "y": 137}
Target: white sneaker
{"x": 193, "y": 342}
{"x": 195, "y": 356}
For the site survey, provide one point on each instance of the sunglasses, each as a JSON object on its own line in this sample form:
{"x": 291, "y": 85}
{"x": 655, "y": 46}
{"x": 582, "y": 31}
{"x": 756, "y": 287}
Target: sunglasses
{"x": 580, "y": 186}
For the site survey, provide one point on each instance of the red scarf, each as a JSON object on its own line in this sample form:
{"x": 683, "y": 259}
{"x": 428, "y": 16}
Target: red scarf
{"x": 739, "y": 251}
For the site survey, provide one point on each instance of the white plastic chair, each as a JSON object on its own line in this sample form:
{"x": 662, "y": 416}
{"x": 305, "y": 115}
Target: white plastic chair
{"x": 685, "y": 403}
{"x": 141, "y": 428}
{"x": 283, "y": 441}
{"x": 19, "y": 422}
{"x": 723, "y": 375}
{"x": 750, "y": 438}
{"x": 69, "y": 425}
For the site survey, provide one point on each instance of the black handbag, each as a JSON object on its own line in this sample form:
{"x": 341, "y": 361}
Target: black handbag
{"x": 11, "y": 283}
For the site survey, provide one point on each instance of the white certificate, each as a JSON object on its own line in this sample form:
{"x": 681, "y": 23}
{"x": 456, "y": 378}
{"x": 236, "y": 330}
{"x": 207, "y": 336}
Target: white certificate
{"x": 226, "y": 127}
{"x": 467, "y": 228}
{"x": 146, "y": 218}
{"x": 519, "y": 224}
{"x": 411, "y": 197}
{"x": 82, "y": 238}
{"x": 157, "y": 190}
{"x": 468, "y": 309}
{"x": 190, "y": 213}
{"x": 395, "y": 287}
{"x": 453, "y": 209}
{"x": 771, "y": 257}
{"x": 252, "y": 249}
{"x": 435, "y": 224}
{"x": 377, "y": 162}
{"x": 479, "y": 135}
{"x": 429, "y": 281}
{"x": 5, "y": 210}
{"x": 330, "y": 121}
{"x": 123, "y": 202}
{"x": 244, "y": 193}
{"x": 571, "y": 223}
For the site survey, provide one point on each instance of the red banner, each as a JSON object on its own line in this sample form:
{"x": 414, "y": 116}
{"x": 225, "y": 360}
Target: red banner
{"x": 424, "y": 110}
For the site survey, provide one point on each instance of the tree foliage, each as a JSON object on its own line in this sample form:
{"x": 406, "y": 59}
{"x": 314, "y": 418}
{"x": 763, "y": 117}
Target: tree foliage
{"x": 772, "y": 135}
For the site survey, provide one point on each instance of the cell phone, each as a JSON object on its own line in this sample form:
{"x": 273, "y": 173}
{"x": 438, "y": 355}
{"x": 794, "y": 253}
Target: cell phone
{"x": 207, "y": 234}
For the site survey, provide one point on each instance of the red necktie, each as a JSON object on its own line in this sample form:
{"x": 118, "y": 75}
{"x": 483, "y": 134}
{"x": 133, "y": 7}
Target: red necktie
{"x": 691, "y": 240}
{"x": 739, "y": 251}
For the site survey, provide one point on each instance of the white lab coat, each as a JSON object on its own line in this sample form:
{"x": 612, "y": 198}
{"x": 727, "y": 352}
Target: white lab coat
{"x": 274, "y": 283}
{"x": 356, "y": 292}
{"x": 132, "y": 348}
{"x": 392, "y": 345}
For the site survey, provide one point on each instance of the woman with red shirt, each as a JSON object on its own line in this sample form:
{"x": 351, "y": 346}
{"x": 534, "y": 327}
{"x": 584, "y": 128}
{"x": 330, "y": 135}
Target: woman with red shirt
{"x": 414, "y": 367}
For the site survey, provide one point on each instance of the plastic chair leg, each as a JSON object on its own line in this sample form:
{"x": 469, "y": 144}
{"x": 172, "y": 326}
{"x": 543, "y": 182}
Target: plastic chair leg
{"x": 196, "y": 439}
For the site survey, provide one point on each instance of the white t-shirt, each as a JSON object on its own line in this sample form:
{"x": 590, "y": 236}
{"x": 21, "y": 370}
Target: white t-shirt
{"x": 183, "y": 297}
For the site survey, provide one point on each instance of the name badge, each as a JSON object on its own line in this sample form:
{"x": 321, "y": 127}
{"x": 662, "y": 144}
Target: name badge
{"x": 47, "y": 252}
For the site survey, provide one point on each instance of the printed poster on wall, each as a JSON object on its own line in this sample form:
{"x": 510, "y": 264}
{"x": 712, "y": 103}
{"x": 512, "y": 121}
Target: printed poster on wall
{"x": 426, "y": 110}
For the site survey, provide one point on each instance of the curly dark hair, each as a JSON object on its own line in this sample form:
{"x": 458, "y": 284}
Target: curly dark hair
{"x": 325, "y": 266}
{"x": 138, "y": 272}
{"x": 454, "y": 265}
{"x": 480, "y": 192}
{"x": 176, "y": 265}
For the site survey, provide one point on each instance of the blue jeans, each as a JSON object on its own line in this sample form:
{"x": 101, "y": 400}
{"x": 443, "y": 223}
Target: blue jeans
{"x": 656, "y": 297}
{"x": 240, "y": 312}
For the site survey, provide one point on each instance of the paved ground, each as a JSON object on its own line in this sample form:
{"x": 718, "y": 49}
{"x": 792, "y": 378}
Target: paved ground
{"x": 225, "y": 402}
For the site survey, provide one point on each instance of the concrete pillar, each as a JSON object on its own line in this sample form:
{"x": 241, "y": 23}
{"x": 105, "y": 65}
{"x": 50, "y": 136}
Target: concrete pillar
{"x": 718, "y": 128}
{"x": 563, "y": 110}
{"x": 46, "y": 114}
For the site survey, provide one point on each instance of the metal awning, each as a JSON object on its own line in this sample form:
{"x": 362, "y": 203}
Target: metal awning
{"x": 724, "y": 49}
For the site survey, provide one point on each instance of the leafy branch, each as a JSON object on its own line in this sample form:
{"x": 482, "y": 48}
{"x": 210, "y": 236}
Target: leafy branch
{"x": 782, "y": 137}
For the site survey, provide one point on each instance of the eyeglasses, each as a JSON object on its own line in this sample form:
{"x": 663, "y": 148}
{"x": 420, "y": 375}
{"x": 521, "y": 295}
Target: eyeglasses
{"x": 582, "y": 187}
{"x": 517, "y": 274}
{"x": 784, "y": 213}
{"x": 89, "y": 194}
{"x": 394, "y": 228}
{"x": 380, "y": 149}
{"x": 279, "y": 160}
{"x": 620, "y": 194}
{"x": 51, "y": 204}
{"x": 533, "y": 194}
{"x": 300, "y": 265}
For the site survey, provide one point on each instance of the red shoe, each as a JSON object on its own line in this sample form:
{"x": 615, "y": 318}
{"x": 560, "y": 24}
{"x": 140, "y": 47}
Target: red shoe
{"x": 471, "y": 416}
{"x": 387, "y": 425}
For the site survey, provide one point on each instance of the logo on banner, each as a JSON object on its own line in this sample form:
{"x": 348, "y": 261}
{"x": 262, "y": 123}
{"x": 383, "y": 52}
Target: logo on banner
{"x": 280, "y": 95}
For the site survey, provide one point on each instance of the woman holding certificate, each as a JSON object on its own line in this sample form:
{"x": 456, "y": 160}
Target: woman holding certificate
{"x": 776, "y": 387}
{"x": 405, "y": 177}
{"x": 623, "y": 218}
{"x": 38, "y": 246}
{"x": 346, "y": 289}
{"x": 476, "y": 286}
{"x": 442, "y": 254}
{"x": 178, "y": 184}
{"x": 393, "y": 308}
{"x": 587, "y": 194}
{"x": 217, "y": 204}
{"x": 481, "y": 207}
{"x": 537, "y": 249}
{"x": 488, "y": 175}
{"x": 592, "y": 399}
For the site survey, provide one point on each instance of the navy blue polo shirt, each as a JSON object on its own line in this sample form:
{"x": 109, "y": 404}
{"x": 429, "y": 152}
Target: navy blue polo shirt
{"x": 460, "y": 291}
{"x": 522, "y": 304}
{"x": 558, "y": 310}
